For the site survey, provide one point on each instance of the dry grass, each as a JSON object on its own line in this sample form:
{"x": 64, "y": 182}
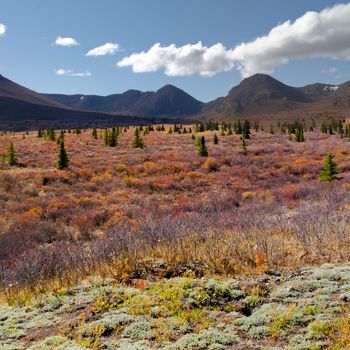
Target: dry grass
{"x": 115, "y": 211}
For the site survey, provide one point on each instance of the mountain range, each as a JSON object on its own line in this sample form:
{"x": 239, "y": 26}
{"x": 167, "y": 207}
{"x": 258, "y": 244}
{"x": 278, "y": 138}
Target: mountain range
{"x": 259, "y": 96}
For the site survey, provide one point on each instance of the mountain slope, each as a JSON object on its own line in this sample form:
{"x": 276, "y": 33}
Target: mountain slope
{"x": 259, "y": 91}
{"x": 167, "y": 101}
{"x": 9, "y": 89}
{"x": 22, "y": 108}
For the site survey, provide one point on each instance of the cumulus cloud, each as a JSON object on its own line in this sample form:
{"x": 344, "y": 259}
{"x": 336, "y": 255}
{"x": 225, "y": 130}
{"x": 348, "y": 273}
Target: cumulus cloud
{"x": 70, "y": 73}
{"x": 106, "y": 49}
{"x": 324, "y": 34}
{"x": 2, "y": 29}
{"x": 315, "y": 34}
{"x": 184, "y": 60}
{"x": 68, "y": 42}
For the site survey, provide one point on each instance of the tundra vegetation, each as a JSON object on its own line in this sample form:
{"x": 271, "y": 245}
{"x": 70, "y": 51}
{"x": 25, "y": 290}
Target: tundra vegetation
{"x": 159, "y": 241}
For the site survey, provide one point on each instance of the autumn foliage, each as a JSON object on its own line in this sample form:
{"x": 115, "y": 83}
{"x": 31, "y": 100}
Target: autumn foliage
{"x": 116, "y": 209}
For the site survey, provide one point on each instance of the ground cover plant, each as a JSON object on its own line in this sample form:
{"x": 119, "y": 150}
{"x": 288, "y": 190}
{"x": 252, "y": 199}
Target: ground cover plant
{"x": 254, "y": 202}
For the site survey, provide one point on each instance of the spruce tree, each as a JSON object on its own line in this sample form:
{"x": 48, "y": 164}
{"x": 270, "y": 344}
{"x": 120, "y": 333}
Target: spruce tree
{"x": 11, "y": 155}
{"x": 246, "y": 130}
{"x": 112, "y": 141}
{"x": 239, "y": 128}
{"x": 330, "y": 171}
{"x": 106, "y": 137}
{"x": 51, "y": 134}
{"x": 202, "y": 148}
{"x": 61, "y": 137}
{"x": 137, "y": 142}
{"x": 243, "y": 145}
{"x": 216, "y": 139}
{"x": 94, "y": 133}
{"x": 63, "y": 160}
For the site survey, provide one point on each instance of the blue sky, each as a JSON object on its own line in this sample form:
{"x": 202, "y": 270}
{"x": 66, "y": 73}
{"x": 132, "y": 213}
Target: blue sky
{"x": 29, "y": 56}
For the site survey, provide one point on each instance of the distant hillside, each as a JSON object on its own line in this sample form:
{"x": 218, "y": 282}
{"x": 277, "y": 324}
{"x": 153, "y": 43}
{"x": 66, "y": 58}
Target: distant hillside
{"x": 256, "y": 92}
{"x": 9, "y": 89}
{"x": 261, "y": 96}
{"x": 167, "y": 101}
{"x": 22, "y": 109}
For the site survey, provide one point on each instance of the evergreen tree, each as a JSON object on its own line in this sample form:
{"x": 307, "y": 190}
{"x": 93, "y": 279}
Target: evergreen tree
{"x": 40, "y": 133}
{"x": 51, "y": 134}
{"x": 63, "y": 160}
{"x": 256, "y": 125}
{"x": 216, "y": 139}
{"x": 246, "y": 130}
{"x": 239, "y": 128}
{"x": 243, "y": 145}
{"x": 11, "y": 155}
{"x": 137, "y": 142}
{"x": 106, "y": 137}
{"x": 60, "y": 138}
{"x": 112, "y": 140}
{"x": 202, "y": 148}
{"x": 94, "y": 133}
{"x": 330, "y": 171}
{"x": 324, "y": 128}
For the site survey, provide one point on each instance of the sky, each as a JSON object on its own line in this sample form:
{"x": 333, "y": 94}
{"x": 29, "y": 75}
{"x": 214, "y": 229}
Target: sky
{"x": 204, "y": 47}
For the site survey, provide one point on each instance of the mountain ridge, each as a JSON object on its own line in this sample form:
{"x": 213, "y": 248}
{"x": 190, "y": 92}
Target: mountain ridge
{"x": 259, "y": 96}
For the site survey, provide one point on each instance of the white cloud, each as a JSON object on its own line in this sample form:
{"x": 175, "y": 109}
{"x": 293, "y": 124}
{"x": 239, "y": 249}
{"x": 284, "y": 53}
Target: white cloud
{"x": 106, "y": 49}
{"x": 323, "y": 34}
{"x": 184, "y": 60}
{"x": 70, "y": 73}
{"x": 66, "y": 41}
{"x": 2, "y": 29}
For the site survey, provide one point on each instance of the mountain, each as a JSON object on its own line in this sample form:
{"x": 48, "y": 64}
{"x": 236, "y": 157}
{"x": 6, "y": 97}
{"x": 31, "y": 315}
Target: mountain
{"x": 167, "y": 101}
{"x": 261, "y": 96}
{"x": 21, "y": 109}
{"x": 258, "y": 92}
{"x": 11, "y": 90}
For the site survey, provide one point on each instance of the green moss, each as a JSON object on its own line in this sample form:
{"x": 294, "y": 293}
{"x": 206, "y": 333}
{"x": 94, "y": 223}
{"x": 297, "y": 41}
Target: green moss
{"x": 206, "y": 339}
{"x": 56, "y": 343}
